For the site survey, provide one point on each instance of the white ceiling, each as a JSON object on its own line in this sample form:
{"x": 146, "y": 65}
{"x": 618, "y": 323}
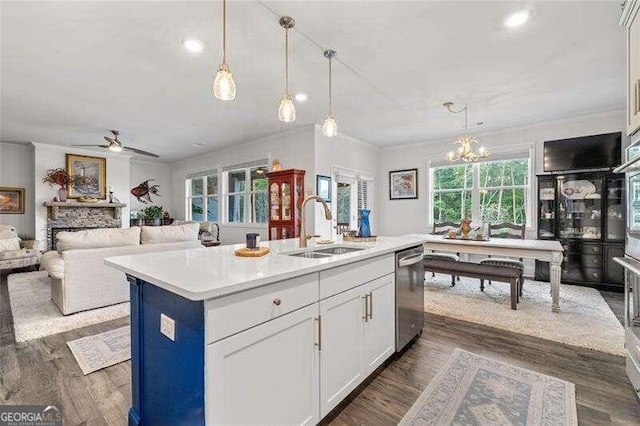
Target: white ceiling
{"x": 72, "y": 70}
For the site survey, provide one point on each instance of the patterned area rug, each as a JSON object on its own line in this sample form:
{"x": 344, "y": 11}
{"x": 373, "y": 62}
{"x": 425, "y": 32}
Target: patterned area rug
{"x": 102, "y": 350}
{"x": 473, "y": 390}
{"x": 585, "y": 320}
{"x": 35, "y": 315}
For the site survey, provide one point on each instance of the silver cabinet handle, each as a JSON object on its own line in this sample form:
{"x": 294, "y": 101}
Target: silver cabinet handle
{"x": 366, "y": 308}
{"x": 371, "y": 305}
{"x": 319, "y": 344}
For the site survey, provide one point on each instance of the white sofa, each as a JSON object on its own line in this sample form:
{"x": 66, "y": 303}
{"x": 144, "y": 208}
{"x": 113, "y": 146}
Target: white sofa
{"x": 79, "y": 278}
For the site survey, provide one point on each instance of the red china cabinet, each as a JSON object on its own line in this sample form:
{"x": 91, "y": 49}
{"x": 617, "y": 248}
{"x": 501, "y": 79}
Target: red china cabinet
{"x": 286, "y": 192}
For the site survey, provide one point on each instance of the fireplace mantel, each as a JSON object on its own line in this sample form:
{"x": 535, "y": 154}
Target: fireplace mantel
{"x": 54, "y": 207}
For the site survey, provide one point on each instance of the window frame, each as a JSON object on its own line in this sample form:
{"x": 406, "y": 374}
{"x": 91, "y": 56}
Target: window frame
{"x": 204, "y": 197}
{"x": 476, "y": 189}
{"x": 248, "y": 199}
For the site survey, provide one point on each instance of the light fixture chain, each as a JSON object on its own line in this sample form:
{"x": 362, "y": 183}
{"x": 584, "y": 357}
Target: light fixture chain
{"x": 330, "y": 86}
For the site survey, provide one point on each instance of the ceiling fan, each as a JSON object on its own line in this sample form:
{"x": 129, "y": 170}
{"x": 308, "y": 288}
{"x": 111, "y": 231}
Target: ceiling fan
{"x": 116, "y": 146}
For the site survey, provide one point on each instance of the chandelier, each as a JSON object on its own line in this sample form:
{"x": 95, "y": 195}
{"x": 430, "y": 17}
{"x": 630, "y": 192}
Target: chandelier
{"x": 464, "y": 150}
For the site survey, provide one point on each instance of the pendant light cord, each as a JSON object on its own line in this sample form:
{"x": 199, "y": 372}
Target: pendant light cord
{"x": 224, "y": 32}
{"x": 286, "y": 60}
{"x": 330, "y": 85}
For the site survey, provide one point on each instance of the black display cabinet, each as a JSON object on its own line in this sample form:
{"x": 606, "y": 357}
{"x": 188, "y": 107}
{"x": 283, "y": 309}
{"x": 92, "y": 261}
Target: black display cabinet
{"x": 586, "y": 213}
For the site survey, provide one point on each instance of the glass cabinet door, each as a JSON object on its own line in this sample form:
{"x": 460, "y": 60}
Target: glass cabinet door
{"x": 580, "y": 208}
{"x": 274, "y": 201}
{"x": 634, "y": 204}
{"x": 286, "y": 201}
{"x": 547, "y": 209}
{"x": 615, "y": 208}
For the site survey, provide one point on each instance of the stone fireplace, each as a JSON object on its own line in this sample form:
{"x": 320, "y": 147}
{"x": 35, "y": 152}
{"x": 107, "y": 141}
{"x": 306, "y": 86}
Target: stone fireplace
{"x": 75, "y": 216}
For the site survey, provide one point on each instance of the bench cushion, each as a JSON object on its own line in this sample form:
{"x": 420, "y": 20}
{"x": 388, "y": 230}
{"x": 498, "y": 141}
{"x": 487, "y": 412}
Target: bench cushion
{"x": 470, "y": 269}
{"x": 504, "y": 262}
{"x": 442, "y": 256}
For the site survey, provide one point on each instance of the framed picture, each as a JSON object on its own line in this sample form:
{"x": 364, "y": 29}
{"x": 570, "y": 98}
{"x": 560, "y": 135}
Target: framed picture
{"x": 11, "y": 200}
{"x": 403, "y": 184}
{"x": 323, "y": 187}
{"x": 94, "y": 169}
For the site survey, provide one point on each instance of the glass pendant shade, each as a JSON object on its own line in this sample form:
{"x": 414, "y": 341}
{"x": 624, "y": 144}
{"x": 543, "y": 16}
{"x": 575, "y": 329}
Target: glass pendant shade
{"x": 224, "y": 87}
{"x": 330, "y": 127}
{"x": 287, "y": 110}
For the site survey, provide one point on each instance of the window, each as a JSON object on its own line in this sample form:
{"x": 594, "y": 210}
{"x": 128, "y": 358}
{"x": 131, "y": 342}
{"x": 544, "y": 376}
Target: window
{"x": 487, "y": 192}
{"x": 202, "y": 196}
{"x": 246, "y": 193}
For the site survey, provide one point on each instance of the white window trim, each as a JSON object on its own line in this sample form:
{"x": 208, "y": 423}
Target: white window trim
{"x": 205, "y": 197}
{"x": 475, "y": 189}
{"x": 223, "y": 203}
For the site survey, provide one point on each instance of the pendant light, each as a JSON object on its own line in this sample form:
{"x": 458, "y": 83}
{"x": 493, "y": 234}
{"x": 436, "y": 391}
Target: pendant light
{"x": 330, "y": 127}
{"x": 287, "y": 110}
{"x": 464, "y": 143}
{"x": 224, "y": 87}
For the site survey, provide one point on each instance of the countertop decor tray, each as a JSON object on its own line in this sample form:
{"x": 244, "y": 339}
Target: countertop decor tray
{"x": 360, "y": 239}
{"x": 484, "y": 238}
{"x": 245, "y": 252}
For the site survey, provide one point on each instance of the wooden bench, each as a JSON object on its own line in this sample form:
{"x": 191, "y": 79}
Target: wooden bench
{"x": 475, "y": 270}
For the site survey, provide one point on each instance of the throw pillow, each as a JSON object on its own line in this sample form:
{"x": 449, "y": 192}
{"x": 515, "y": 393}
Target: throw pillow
{"x": 169, "y": 234}
{"x": 98, "y": 238}
{"x": 10, "y": 244}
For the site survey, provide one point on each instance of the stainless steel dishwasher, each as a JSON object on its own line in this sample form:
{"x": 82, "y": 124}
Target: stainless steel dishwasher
{"x": 409, "y": 295}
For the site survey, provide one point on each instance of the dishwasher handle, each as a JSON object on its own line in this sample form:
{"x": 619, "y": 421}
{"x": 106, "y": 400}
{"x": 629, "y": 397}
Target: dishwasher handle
{"x": 410, "y": 260}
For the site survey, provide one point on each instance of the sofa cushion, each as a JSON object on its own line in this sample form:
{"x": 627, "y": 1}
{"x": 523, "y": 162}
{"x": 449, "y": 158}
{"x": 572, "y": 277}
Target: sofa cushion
{"x": 7, "y": 231}
{"x": 17, "y": 254}
{"x": 10, "y": 244}
{"x": 98, "y": 238}
{"x": 169, "y": 234}
{"x": 52, "y": 263}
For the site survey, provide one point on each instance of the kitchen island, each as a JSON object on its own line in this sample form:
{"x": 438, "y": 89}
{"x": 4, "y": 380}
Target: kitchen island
{"x": 280, "y": 339}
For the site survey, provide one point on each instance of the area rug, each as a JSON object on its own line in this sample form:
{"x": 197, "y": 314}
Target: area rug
{"x": 585, "y": 320}
{"x": 35, "y": 315}
{"x": 474, "y": 390}
{"x": 102, "y": 350}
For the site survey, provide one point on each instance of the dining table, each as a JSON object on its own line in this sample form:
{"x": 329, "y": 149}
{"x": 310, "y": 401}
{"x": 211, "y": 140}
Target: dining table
{"x": 542, "y": 250}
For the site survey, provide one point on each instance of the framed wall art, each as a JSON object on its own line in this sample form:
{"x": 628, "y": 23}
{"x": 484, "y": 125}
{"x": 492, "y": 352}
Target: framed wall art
{"x": 94, "y": 169}
{"x": 403, "y": 184}
{"x": 323, "y": 187}
{"x": 11, "y": 200}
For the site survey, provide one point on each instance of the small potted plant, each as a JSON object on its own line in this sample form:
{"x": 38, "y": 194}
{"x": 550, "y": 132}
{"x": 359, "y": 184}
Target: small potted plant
{"x": 63, "y": 179}
{"x": 153, "y": 215}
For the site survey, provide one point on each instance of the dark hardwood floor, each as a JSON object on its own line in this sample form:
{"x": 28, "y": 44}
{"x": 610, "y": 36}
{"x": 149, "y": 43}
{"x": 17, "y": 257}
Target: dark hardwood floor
{"x": 43, "y": 371}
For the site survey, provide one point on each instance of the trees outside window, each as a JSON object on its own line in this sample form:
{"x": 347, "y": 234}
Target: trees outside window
{"x": 246, "y": 195}
{"x": 487, "y": 192}
{"x": 202, "y": 198}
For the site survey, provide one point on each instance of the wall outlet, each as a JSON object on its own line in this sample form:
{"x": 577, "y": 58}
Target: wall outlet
{"x": 168, "y": 327}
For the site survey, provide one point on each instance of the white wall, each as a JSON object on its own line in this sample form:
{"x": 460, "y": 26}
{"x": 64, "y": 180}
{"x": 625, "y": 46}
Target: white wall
{"x": 53, "y": 156}
{"x": 405, "y": 216}
{"x": 294, "y": 149}
{"x": 16, "y": 170}
{"x": 140, "y": 171}
{"x": 345, "y": 152}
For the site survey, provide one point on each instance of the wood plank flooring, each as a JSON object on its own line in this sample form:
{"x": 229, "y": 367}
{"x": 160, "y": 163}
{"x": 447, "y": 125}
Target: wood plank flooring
{"x": 43, "y": 371}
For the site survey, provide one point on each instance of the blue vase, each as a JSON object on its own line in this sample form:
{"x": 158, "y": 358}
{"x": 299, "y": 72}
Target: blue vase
{"x": 365, "y": 228}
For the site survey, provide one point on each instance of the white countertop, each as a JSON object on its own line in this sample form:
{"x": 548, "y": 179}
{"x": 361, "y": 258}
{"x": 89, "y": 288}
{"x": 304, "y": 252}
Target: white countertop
{"x": 211, "y": 272}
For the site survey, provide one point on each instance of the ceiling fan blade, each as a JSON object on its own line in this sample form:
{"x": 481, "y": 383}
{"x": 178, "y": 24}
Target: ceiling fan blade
{"x": 99, "y": 146}
{"x": 139, "y": 151}
{"x": 108, "y": 139}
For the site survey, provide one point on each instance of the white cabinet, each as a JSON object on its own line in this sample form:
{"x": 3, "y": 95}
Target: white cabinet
{"x": 358, "y": 335}
{"x": 267, "y": 374}
{"x": 631, "y": 20}
{"x": 342, "y": 319}
{"x": 380, "y": 329}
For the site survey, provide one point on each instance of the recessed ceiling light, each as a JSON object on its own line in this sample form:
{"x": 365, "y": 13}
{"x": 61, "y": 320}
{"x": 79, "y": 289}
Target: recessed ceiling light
{"x": 193, "y": 45}
{"x": 516, "y": 19}
{"x": 301, "y": 97}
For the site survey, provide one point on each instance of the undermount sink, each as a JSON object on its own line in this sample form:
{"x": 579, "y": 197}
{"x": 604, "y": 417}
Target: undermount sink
{"x": 308, "y": 255}
{"x": 338, "y": 250}
{"x": 320, "y": 253}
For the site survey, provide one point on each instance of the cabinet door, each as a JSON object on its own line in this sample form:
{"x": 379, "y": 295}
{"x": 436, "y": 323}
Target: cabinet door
{"x": 633, "y": 74}
{"x": 614, "y": 272}
{"x": 252, "y": 375}
{"x": 379, "y": 336}
{"x": 342, "y": 346}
